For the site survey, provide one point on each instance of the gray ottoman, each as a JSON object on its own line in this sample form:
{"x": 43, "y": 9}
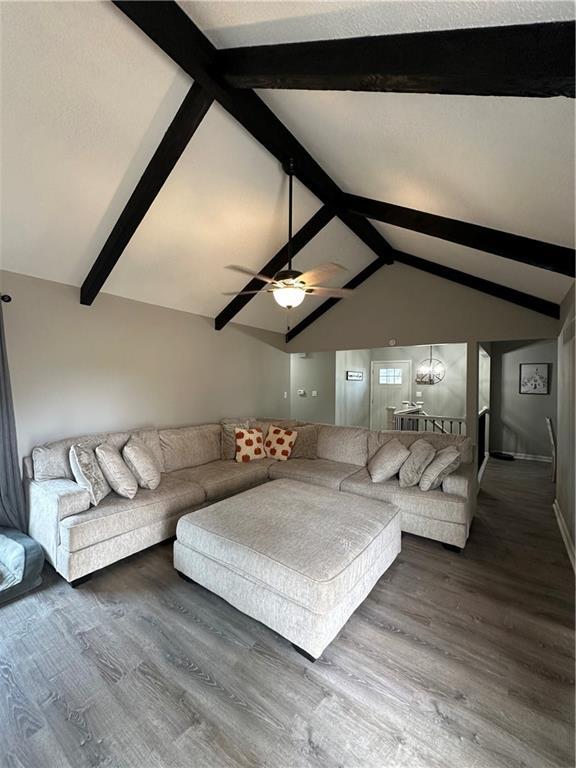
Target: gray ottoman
{"x": 21, "y": 562}
{"x": 296, "y": 557}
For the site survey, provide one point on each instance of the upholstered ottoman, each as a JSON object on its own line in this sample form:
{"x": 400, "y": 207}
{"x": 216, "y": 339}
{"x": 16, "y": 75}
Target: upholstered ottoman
{"x": 296, "y": 557}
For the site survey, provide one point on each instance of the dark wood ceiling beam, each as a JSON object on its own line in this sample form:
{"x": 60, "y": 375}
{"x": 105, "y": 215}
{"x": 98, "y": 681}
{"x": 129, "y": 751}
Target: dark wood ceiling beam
{"x": 555, "y": 258}
{"x": 174, "y": 142}
{"x": 167, "y": 25}
{"x": 454, "y": 275}
{"x": 520, "y": 298}
{"x": 520, "y": 60}
{"x": 276, "y": 263}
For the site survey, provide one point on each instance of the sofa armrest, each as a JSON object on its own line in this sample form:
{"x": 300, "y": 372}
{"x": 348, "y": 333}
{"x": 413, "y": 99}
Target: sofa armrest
{"x": 49, "y": 502}
{"x": 462, "y": 482}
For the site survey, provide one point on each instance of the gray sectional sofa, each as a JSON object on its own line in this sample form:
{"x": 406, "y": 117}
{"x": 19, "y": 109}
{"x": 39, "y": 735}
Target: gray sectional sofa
{"x": 79, "y": 539}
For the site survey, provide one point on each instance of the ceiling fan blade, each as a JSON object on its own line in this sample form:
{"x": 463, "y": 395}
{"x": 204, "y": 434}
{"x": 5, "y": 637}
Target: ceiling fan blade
{"x": 241, "y": 293}
{"x": 245, "y": 271}
{"x": 323, "y": 290}
{"x": 321, "y": 273}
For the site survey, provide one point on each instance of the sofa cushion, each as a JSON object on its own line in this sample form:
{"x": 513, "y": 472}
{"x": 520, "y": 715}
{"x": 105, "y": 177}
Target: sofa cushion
{"x": 279, "y": 442}
{"x": 116, "y": 515}
{"x": 228, "y": 436}
{"x": 443, "y": 464}
{"x": 151, "y": 439}
{"x": 306, "y": 445}
{"x": 436, "y": 505}
{"x": 52, "y": 460}
{"x": 387, "y": 461}
{"x": 190, "y": 446}
{"x": 249, "y": 445}
{"x": 142, "y": 463}
{"x": 328, "y": 474}
{"x": 437, "y": 440}
{"x": 225, "y": 478}
{"x": 310, "y": 547}
{"x": 421, "y": 454}
{"x": 116, "y": 471}
{"x": 88, "y": 473}
{"x": 348, "y": 445}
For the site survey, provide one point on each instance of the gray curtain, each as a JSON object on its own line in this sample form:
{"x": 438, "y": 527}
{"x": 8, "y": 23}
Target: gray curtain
{"x": 12, "y": 506}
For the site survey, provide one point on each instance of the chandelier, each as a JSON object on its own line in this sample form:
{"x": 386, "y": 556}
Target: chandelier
{"x": 430, "y": 371}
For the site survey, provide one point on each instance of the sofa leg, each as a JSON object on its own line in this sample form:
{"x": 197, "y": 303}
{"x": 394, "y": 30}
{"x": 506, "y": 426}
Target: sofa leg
{"x": 304, "y": 653}
{"x": 452, "y": 547}
{"x": 186, "y": 578}
{"x": 77, "y": 582}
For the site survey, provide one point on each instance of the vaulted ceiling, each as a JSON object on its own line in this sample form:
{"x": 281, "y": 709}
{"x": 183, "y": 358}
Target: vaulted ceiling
{"x": 87, "y": 97}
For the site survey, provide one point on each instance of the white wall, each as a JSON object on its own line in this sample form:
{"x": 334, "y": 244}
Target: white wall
{"x": 315, "y": 372}
{"x": 565, "y": 499}
{"x": 353, "y": 397}
{"x": 518, "y": 422}
{"x": 122, "y": 364}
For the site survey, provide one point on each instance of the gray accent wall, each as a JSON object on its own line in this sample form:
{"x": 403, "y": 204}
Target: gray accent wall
{"x": 565, "y": 499}
{"x": 314, "y": 372}
{"x": 517, "y": 422}
{"x": 123, "y": 363}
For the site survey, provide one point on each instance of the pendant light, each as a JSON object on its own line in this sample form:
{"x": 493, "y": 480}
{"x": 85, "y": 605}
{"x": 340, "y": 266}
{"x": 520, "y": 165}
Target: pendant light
{"x": 291, "y": 293}
{"x": 430, "y": 371}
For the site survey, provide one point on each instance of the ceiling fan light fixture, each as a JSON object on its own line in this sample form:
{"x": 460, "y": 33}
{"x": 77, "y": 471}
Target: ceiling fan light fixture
{"x": 288, "y": 296}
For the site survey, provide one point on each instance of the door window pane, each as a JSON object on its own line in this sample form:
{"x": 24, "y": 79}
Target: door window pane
{"x": 390, "y": 376}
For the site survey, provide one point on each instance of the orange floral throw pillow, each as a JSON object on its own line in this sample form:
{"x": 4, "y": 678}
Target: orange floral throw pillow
{"x": 279, "y": 443}
{"x": 249, "y": 445}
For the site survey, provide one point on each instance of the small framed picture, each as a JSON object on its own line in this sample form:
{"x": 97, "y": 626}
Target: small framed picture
{"x": 535, "y": 378}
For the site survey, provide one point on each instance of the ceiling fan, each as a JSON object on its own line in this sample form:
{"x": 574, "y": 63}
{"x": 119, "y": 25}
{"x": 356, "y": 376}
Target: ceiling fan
{"x": 289, "y": 287}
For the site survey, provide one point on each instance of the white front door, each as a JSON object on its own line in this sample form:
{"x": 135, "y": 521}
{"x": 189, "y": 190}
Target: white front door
{"x": 391, "y": 384}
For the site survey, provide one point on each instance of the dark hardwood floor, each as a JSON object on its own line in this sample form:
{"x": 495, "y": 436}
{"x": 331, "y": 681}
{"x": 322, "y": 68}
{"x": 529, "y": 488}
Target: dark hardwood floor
{"x": 454, "y": 660}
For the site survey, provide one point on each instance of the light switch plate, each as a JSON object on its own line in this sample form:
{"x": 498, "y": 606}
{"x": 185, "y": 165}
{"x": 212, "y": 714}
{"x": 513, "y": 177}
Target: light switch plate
{"x": 314, "y": 393}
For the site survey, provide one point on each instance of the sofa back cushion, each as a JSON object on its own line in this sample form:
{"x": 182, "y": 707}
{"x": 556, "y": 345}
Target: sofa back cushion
{"x": 437, "y": 440}
{"x": 228, "y": 435}
{"x": 306, "y": 445}
{"x": 52, "y": 461}
{"x": 348, "y": 445}
{"x": 190, "y": 446}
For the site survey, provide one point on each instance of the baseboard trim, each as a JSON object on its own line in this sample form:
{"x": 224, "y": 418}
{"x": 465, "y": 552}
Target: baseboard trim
{"x": 481, "y": 471}
{"x": 529, "y": 457}
{"x": 565, "y": 533}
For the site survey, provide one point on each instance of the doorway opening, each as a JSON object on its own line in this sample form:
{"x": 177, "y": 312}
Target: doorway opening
{"x": 390, "y": 390}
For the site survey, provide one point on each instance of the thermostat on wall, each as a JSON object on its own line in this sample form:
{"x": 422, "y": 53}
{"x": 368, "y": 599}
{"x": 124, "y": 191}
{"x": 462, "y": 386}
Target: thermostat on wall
{"x": 392, "y": 342}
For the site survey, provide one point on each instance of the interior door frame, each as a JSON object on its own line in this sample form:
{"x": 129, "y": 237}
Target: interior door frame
{"x": 388, "y": 363}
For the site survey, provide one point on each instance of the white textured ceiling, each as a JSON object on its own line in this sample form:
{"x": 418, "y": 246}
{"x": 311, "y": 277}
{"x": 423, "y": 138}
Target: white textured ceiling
{"x": 86, "y": 98}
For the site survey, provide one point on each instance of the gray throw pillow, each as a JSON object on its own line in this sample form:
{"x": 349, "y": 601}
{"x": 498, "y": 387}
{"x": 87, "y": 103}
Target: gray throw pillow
{"x": 421, "y": 454}
{"x": 444, "y": 463}
{"x": 306, "y": 445}
{"x": 228, "y": 440}
{"x": 121, "y": 480}
{"x": 387, "y": 461}
{"x": 88, "y": 473}
{"x": 142, "y": 463}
